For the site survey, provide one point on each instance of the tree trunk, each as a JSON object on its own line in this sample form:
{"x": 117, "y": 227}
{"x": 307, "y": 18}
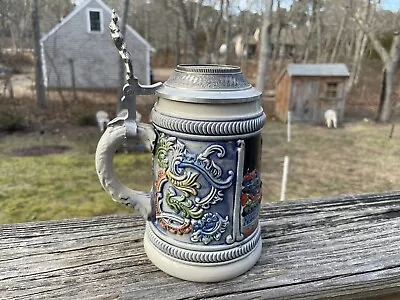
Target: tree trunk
{"x": 185, "y": 48}
{"x": 177, "y": 42}
{"x": 381, "y": 95}
{"x": 356, "y": 60}
{"x": 310, "y": 33}
{"x": 228, "y": 37}
{"x": 166, "y": 56}
{"x": 318, "y": 24}
{"x": 13, "y": 39}
{"x": 348, "y": 51}
{"x": 390, "y": 67}
{"x": 265, "y": 46}
{"x": 209, "y": 47}
{"x": 213, "y": 32}
{"x": 147, "y": 22}
{"x": 39, "y": 80}
{"x": 73, "y": 84}
{"x": 360, "y": 43}
{"x": 386, "y": 111}
{"x": 338, "y": 38}
{"x": 245, "y": 42}
{"x": 276, "y": 46}
{"x": 362, "y": 51}
{"x": 390, "y": 61}
{"x": 190, "y": 26}
{"x": 193, "y": 46}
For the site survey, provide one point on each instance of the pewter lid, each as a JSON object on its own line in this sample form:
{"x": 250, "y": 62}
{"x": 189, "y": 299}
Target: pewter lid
{"x": 207, "y": 84}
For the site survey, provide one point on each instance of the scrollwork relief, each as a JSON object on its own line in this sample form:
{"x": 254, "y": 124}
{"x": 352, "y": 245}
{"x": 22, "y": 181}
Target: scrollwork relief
{"x": 180, "y": 197}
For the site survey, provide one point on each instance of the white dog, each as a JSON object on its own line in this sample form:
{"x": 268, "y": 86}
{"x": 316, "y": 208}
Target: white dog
{"x": 331, "y": 118}
{"x": 102, "y": 120}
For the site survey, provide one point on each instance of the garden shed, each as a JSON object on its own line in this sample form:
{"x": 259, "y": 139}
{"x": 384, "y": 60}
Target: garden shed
{"x": 308, "y": 90}
{"x": 79, "y": 52}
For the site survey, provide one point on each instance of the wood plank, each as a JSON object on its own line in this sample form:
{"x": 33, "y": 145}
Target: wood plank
{"x": 343, "y": 247}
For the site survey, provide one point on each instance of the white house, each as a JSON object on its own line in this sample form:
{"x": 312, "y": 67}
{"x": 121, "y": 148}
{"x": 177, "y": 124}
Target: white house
{"x": 80, "y": 49}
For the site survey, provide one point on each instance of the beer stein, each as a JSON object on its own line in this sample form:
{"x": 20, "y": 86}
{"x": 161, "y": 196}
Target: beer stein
{"x": 202, "y": 214}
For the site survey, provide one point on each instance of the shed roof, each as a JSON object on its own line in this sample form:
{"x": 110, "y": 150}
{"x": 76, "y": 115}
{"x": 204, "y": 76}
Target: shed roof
{"x": 318, "y": 70}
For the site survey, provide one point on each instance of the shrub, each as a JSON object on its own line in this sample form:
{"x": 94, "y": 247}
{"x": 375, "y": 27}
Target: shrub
{"x": 85, "y": 120}
{"x": 11, "y": 123}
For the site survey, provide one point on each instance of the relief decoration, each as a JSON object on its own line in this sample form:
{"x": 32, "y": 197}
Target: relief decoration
{"x": 182, "y": 200}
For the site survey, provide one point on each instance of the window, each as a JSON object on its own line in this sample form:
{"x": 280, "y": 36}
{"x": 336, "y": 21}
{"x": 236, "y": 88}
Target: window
{"x": 331, "y": 89}
{"x": 95, "y": 20}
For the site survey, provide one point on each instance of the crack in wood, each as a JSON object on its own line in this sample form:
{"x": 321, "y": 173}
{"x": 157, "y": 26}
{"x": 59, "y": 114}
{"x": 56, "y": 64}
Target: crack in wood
{"x": 319, "y": 248}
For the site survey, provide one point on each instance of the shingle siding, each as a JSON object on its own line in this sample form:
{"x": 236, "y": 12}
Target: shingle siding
{"x": 95, "y": 58}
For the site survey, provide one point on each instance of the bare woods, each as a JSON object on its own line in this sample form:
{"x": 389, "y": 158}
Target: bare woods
{"x": 268, "y": 32}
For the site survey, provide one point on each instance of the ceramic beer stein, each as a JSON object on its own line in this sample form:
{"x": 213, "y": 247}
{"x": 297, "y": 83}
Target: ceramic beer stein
{"x": 202, "y": 212}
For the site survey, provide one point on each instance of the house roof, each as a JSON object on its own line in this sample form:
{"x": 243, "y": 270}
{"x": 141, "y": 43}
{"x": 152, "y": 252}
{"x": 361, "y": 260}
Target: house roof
{"x": 339, "y": 70}
{"x": 107, "y": 9}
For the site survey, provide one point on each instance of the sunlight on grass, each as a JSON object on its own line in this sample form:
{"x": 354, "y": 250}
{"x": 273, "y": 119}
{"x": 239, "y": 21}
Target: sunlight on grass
{"x": 63, "y": 185}
{"x": 353, "y": 159}
{"x": 357, "y": 158}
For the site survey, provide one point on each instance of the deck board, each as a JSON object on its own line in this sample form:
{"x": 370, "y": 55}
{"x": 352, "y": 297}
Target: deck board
{"x": 344, "y": 247}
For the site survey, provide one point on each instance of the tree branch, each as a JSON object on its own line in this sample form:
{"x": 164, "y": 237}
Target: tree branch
{"x": 170, "y": 7}
{"x": 383, "y": 54}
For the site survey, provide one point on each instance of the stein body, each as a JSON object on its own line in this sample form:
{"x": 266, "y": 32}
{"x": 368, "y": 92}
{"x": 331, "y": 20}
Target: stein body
{"x": 202, "y": 213}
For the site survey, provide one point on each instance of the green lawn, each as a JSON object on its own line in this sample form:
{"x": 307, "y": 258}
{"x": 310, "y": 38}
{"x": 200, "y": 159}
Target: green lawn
{"x": 357, "y": 158}
{"x": 62, "y": 185}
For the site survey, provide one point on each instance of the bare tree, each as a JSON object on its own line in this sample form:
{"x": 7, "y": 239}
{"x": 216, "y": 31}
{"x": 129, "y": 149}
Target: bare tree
{"x": 245, "y": 38}
{"x": 190, "y": 14}
{"x": 147, "y": 21}
{"x": 211, "y": 29}
{"x": 177, "y": 42}
{"x": 318, "y": 25}
{"x": 228, "y": 35}
{"x": 280, "y": 23}
{"x": 360, "y": 44}
{"x": 390, "y": 61}
{"x": 15, "y": 20}
{"x": 39, "y": 80}
{"x": 52, "y": 12}
{"x": 265, "y": 46}
{"x": 311, "y": 29}
{"x": 339, "y": 36}
{"x": 363, "y": 47}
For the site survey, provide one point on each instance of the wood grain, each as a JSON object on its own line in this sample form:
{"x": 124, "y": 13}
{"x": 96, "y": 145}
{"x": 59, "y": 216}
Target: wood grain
{"x": 345, "y": 247}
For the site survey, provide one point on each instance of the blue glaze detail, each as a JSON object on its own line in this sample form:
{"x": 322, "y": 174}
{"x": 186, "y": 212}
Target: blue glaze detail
{"x": 209, "y": 228}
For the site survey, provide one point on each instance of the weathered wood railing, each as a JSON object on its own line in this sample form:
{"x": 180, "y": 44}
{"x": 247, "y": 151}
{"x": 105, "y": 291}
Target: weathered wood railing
{"x": 345, "y": 247}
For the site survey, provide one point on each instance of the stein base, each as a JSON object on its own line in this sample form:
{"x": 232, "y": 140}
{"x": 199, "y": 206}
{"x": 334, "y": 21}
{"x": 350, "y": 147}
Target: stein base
{"x": 199, "y": 273}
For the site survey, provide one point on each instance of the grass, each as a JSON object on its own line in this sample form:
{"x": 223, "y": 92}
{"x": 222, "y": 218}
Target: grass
{"x": 62, "y": 185}
{"x": 356, "y": 158}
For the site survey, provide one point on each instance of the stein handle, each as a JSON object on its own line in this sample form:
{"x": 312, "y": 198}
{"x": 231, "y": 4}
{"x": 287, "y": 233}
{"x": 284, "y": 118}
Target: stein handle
{"x": 117, "y": 132}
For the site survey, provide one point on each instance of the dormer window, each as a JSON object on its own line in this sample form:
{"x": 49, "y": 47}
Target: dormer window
{"x": 95, "y": 18}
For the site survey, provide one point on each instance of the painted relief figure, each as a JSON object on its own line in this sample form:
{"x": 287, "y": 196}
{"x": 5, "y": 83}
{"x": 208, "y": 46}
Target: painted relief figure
{"x": 250, "y": 201}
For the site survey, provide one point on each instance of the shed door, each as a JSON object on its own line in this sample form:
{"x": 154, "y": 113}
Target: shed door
{"x": 304, "y": 100}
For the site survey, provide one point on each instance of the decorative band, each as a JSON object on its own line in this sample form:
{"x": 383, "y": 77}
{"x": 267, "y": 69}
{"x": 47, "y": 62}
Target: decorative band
{"x": 211, "y": 128}
{"x": 204, "y": 79}
{"x": 204, "y": 256}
